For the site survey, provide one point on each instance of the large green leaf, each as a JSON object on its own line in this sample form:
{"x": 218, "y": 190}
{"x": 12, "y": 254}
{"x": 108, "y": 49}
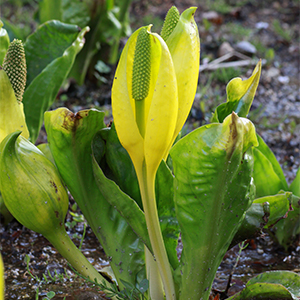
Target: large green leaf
{"x": 126, "y": 206}
{"x": 287, "y": 229}
{"x": 50, "y": 53}
{"x": 295, "y": 185}
{"x": 264, "y": 212}
{"x": 68, "y": 11}
{"x": 213, "y": 167}
{"x": 164, "y": 183}
{"x": 46, "y": 44}
{"x": 273, "y": 285}
{"x": 240, "y": 94}
{"x": 121, "y": 170}
{"x": 268, "y": 175}
{"x": 70, "y": 137}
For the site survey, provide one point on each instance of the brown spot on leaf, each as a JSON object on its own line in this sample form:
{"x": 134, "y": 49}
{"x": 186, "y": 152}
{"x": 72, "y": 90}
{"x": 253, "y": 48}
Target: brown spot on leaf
{"x": 54, "y": 185}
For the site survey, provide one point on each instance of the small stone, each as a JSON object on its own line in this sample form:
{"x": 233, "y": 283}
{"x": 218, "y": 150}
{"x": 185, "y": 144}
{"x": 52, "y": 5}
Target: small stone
{"x": 272, "y": 72}
{"x": 213, "y": 17}
{"x": 225, "y": 48}
{"x": 246, "y": 47}
{"x": 261, "y": 25}
{"x": 284, "y": 79}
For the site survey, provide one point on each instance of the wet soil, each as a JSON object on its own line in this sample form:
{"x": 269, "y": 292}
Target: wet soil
{"x": 275, "y": 113}
{"x": 23, "y": 279}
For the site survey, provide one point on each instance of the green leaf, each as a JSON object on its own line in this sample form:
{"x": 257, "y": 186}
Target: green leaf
{"x": 48, "y": 43}
{"x": 288, "y": 279}
{"x": 120, "y": 168}
{"x": 68, "y": 11}
{"x": 263, "y": 291}
{"x": 240, "y": 95}
{"x": 121, "y": 171}
{"x": 125, "y": 205}
{"x": 16, "y": 32}
{"x": 50, "y": 54}
{"x": 268, "y": 175}
{"x": 287, "y": 229}
{"x": 295, "y": 185}
{"x": 213, "y": 168}
{"x": 50, "y": 10}
{"x": 264, "y": 212}
{"x": 271, "y": 285}
{"x": 70, "y": 137}
{"x": 164, "y": 183}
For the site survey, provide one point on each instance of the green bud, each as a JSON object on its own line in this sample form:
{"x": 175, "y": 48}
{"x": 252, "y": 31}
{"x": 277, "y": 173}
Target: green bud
{"x": 14, "y": 65}
{"x": 170, "y": 22}
{"x": 141, "y": 70}
{"x": 31, "y": 186}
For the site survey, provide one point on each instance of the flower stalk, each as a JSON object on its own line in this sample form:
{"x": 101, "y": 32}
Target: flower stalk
{"x": 153, "y": 91}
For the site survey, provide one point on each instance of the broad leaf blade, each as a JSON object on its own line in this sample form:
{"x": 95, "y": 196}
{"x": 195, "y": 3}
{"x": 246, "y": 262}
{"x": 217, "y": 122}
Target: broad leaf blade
{"x": 288, "y": 279}
{"x": 120, "y": 166}
{"x": 268, "y": 175}
{"x": 70, "y": 137}
{"x": 68, "y": 11}
{"x": 264, "y": 212}
{"x": 279, "y": 285}
{"x": 125, "y": 205}
{"x": 166, "y": 211}
{"x": 212, "y": 168}
{"x": 46, "y": 44}
{"x": 289, "y": 228}
{"x": 51, "y": 69}
{"x": 295, "y": 185}
{"x": 264, "y": 291}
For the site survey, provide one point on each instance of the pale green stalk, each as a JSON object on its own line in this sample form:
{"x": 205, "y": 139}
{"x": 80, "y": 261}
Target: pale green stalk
{"x": 64, "y": 245}
{"x": 147, "y": 187}
{"x": 155, "y": 285}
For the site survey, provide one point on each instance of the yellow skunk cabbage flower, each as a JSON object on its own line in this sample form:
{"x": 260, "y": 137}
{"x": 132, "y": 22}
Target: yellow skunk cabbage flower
{"x": 144, "y": 99}
{"x": 153, "y": 91}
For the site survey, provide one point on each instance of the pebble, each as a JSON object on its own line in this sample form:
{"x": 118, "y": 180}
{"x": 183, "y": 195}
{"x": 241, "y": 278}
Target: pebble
{"x": 284, "y": 79}
{"x": 225, "y": 48}
{"x": 272, "y": 72}
{"x": 261, "y": 25}
{"x": 246, "y": 48}
{"x": 213, "y": 17}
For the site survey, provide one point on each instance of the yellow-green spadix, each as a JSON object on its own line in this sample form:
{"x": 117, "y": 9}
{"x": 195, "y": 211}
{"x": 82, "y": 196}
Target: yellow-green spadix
{"x": 145, "y": 98}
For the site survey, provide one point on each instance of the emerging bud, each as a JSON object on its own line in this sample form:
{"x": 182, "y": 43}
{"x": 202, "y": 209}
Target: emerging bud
{"x": 14, "y": 65}
{"x": 31, "y": 186}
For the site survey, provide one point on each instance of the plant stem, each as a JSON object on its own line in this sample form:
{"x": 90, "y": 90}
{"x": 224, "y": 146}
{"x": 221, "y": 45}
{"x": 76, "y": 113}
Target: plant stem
{"x": 64, "y": 245}
{"x": 153, "y": 275}
{"x": 147, "y": 187}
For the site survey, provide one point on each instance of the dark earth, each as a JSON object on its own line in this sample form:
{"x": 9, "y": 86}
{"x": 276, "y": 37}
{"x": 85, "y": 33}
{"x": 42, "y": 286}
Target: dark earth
{"x": 271, "y": 29}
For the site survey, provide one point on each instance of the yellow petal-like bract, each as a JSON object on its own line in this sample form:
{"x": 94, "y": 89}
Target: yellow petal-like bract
{"x": 12, "y": 117}
{"x": 146, "y": 139}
